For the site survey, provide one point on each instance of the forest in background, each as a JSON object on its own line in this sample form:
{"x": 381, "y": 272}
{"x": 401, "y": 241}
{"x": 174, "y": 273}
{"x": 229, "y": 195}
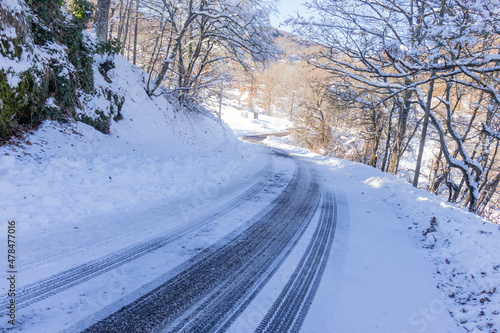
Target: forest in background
{"x": 396, "y": 84}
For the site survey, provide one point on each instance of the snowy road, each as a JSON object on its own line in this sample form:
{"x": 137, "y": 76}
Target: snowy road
{"x": 211, "y": 289}
{"x": 222, "y": 280}
{"x": 259, "y": 138}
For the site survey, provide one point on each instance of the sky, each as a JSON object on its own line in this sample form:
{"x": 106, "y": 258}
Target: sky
{"x": 286, "y": 8}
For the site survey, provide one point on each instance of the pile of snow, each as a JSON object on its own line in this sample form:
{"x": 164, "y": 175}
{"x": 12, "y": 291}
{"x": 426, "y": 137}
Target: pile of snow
{"x": 464, "y": 248}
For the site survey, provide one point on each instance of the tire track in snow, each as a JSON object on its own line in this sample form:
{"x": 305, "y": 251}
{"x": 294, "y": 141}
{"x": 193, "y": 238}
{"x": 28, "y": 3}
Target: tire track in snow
{"x": 64, "y": 280}
{"x": 289, "y": 310}
{"x": 202, "y": 297}
{"x": 218, "y": 311}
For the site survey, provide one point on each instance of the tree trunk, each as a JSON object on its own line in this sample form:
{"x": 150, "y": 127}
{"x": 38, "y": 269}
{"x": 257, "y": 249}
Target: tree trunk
{"x": 136, "y": 31}
{"x": 397, "y": 148}
{"x": 377, "y": 134}
{"x": 171, "y": 57}
{"x": 471, "y": 170}
{"x": 121, "y": 19}
{"x": 101, "y": 20}
{"x": 221, "y": 88}
{"x": 388, "y": 142}
{"x": 374, "y": 155}
{"x": 436, "y": 181}
{"x": 424, "y": 131}
{"x": 111, "y": 27}
{"x": 488, "y": 191}
{"x": 125, "y": 36}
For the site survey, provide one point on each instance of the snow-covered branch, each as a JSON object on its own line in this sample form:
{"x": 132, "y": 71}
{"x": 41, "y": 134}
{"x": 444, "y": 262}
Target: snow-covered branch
{"x": 489, "y": 131}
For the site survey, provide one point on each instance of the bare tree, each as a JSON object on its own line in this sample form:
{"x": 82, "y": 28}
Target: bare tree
{"x": 199, "y": 34}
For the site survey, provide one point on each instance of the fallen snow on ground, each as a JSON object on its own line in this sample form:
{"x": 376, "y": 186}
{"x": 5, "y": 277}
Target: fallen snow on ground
{"x": 378, "y": 256}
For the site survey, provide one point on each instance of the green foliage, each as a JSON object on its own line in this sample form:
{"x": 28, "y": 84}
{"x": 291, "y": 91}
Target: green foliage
{"x": 46, "y": 10}
{"x": 50, "y": 26}
{"x": 82, "y": 11}
{"x": 80, "y": 56}
{"x": 112, "y": 46}
{"x": 49, "y": 12}
{"x": 23, "y": 105}
{"x": 18, "y": 102}
{"x": 64, "y": 78}
{"x": 63, "y": 88}
{"x": 103, "y": 122}
{"x": 47, "y": 20}
{"x": 11, "y": 47}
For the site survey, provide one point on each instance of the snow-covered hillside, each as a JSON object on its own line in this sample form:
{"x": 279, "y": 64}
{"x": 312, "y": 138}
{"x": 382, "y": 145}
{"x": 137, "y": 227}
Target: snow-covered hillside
{"x": 158, "y": 150}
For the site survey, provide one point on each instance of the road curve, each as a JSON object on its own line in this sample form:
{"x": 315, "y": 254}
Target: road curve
{"x": 259, "y": 138}
{"x": 226, "y": 274}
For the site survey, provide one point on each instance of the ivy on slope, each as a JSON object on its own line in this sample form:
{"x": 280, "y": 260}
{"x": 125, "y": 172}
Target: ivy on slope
{"x": 47, "y": 65}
